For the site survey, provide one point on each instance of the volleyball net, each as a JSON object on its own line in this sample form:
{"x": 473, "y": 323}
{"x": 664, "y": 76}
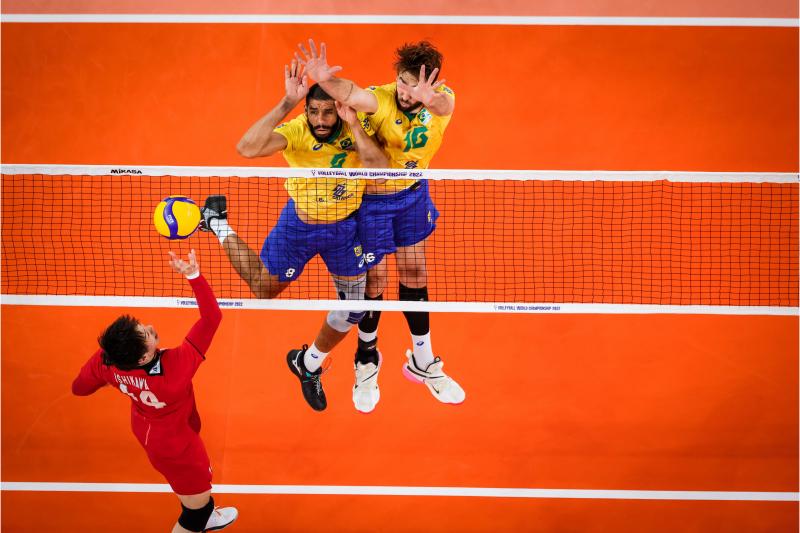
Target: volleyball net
{"x": 510, "y": 238}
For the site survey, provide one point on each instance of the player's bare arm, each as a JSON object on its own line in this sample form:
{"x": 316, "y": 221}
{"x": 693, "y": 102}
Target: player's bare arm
{"x": 340, "y": 89}
{"x": 260, "y": 140}
{"x": 368, "y": 149}
{"x": 438, "y": 103}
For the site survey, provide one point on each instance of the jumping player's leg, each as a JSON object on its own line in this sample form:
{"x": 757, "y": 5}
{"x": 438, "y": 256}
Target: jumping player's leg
{"x": 199, "y": 514}
{"x": 413, "y": 274}
{"x": 244, "y": 260}
{"x": 345, "y": 260}
{"x": 422, "y": 365}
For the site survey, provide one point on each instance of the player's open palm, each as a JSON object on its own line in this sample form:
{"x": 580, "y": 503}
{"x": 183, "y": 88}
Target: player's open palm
{"x": 426, "y": 87}
{"x": 296, "y": 81}
{"x": 187, "y": 268}
{"x": 316, "y": 64}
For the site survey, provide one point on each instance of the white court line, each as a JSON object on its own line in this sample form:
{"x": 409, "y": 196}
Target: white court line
{"x": 391, "y": 305}
{"x": 367, "y": 490}
{"x": 459, "y": 173}
{"x": 472, "y": 20}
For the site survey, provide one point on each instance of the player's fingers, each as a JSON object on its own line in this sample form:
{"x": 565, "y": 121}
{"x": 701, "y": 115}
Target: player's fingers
{"x": 438, "y": 84}
{"x": 286, "y": 72}
{"x": 304, "y": 83}
{"x": 302, "y": 49}
{"x": 421, "y": 73}
{"x": 313, "y": 47}
{"x": 299, "y": 59}
{"x": 432, "y": 77}
{"x": 334, "y": 69}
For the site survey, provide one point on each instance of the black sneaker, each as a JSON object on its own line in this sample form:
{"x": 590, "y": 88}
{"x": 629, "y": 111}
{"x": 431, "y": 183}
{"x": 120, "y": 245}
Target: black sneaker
{"x": 309, "y": 381}
{"x": 216, "y": 207}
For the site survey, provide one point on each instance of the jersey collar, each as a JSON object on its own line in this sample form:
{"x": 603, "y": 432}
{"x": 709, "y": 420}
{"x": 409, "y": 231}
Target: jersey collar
{"x": 154, "y": 368}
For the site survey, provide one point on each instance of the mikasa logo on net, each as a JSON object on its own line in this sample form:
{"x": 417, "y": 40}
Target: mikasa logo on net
{"x": 125, "y": 171}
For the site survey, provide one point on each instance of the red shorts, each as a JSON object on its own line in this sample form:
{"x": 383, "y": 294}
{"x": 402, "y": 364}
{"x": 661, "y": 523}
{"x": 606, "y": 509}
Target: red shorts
{"x": 176, "y": 450}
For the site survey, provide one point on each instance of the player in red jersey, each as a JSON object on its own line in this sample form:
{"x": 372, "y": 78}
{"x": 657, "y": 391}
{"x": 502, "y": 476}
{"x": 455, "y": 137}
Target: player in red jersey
{"x": 164, "y": 416}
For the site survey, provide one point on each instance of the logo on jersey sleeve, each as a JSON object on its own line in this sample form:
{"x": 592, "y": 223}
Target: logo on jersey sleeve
{"x": 399, "y": 121}
{"x": 446, "y": 89}
{"x": 316, "y": 146}
{"x": 282, "y": 125}
{"x": 424, "y": 116}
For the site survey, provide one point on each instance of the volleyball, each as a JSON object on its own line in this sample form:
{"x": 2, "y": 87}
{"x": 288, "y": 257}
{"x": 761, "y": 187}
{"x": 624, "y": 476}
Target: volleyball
{"x": 176, "y": 217}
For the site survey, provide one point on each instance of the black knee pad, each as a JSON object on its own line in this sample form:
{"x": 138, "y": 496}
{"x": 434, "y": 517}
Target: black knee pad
{"x": 196, "y": 519}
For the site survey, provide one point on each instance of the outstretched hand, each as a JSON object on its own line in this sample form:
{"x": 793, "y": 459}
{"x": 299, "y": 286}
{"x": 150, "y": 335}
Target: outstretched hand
{"x": 182, "y": 267}
{"x": 316, "y": 65}
{"x": 425, "y": 89}
{"x": 296, "y": 82}
{"x": 346, "y": 113}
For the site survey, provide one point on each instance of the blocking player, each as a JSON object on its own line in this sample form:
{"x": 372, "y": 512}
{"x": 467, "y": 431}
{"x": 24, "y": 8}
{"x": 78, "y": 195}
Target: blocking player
{"x": 409, "y": 116}
{"x": 319, "y": 217}
{"x": 164, "y": 415}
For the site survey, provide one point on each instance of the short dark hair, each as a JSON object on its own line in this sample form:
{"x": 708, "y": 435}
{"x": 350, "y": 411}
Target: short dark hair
{"x": 411, "y": 56}
{"x": 315, "y": 92}
{"x": 122, "y": 343}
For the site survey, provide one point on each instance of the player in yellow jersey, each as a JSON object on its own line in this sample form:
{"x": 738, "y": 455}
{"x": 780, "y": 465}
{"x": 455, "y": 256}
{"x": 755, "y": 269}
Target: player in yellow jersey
{"x": 409, "y": 117}
{"x": 319, "y": 217}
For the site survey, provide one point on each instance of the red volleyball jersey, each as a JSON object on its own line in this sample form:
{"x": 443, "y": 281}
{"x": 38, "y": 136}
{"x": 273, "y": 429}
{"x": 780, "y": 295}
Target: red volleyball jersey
{"x": 165, "y": 390}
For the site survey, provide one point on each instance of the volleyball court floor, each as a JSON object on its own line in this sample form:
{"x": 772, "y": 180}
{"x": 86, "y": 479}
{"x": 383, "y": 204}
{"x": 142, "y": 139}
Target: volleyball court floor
{"x": 586, "y": 402}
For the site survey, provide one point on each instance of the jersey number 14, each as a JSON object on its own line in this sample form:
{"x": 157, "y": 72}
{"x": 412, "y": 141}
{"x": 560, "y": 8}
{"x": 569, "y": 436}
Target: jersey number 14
{"x": 146, "y": 397}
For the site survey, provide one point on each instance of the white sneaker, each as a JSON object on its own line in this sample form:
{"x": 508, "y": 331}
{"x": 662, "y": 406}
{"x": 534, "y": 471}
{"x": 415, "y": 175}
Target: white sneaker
{"x": 221, "y": 518}
{"x": 365, "y": 390}
{"x": 443, "y": 387}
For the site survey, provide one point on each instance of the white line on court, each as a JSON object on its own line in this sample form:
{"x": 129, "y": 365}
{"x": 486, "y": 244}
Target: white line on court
{"x": 472, "y": 20}
{"x": 367, "y": 490}
{"x": 389, "y": 305}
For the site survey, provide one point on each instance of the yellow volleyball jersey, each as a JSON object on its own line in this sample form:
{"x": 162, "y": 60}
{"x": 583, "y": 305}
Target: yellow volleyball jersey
{"x": 410, "y": 141}
{"x": 323, "y": 199}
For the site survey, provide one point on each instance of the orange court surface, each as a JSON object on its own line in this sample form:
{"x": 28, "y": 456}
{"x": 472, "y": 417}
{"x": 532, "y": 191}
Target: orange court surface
{"x": 592, "y": 402}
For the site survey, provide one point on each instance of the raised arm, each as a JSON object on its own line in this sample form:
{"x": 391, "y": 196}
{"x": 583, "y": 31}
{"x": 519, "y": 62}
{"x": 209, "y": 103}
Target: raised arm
{"x": 369, "y": 151}
{"x": 260, "y": 140}
{"x": 340, "y": 89}
{"x": 202, "y": 332}
{"x": 89, "y": 378}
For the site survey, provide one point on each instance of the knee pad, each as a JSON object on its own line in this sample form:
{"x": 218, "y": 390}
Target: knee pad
{"x": 347, "y": 289}
{"x": 196, "y": 519}
{"x": 344, "y": 320}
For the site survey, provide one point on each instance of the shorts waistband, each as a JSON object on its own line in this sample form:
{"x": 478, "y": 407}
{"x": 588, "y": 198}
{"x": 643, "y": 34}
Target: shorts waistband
{"x": 399, "y": 194}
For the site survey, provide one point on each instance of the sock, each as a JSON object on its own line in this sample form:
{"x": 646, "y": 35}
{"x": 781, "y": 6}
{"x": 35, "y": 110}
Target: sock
{"x": 419, "y": 325}
{"x": 423, "y": 354}
{"x": 313, "y": 358}
{"x": 221, "y": 229}
{"x": 368, "y": 327}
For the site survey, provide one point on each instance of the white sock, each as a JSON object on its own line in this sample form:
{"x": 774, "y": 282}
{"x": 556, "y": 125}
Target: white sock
{"x": 221, "y": 229}
{"x": 313, "y": 358}
{"x": 423, "y": 353}
{"x": 367, "y": 337}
